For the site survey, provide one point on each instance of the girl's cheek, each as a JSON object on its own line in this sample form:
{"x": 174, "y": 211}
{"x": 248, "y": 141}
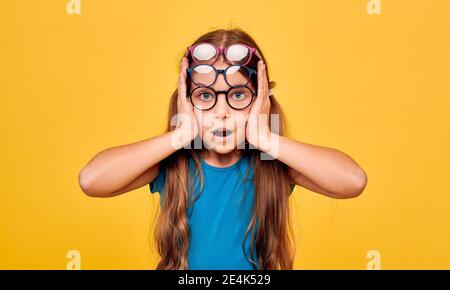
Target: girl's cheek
{"x": 240, "y": 126}
{"x": 241, "y": 119}
{"x": 204, "y": 121}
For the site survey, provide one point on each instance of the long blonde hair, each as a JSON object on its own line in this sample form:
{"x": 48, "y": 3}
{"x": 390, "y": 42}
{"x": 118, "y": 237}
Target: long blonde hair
{"x": 272, "y": 190}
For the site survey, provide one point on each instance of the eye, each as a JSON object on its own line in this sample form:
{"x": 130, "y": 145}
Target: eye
{"x": 238, "y": 95}
{"x": 205, "y": 96}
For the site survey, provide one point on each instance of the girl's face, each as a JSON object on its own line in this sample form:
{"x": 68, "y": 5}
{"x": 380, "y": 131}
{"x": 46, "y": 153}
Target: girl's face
{"x": 222, "y": 117}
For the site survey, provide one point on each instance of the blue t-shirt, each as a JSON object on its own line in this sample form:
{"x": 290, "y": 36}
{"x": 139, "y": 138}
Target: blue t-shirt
{"x": 219, "y": 217}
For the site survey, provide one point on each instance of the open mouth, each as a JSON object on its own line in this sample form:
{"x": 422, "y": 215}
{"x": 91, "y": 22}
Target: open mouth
{"x": 222, "y": 132}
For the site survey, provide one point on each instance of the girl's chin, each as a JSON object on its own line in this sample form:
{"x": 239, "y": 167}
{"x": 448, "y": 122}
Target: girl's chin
{"x": 222, "y": 145}
{"x": 223, "y": 149}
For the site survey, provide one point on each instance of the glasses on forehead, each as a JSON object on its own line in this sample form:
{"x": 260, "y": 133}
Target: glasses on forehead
{"x": 234, "y": 75}
{"x": 204, "y": 98}
{"x": 206, "y": 53}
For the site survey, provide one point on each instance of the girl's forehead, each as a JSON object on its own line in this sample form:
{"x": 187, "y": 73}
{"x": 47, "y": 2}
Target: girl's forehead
{"x": 220, "y": 63}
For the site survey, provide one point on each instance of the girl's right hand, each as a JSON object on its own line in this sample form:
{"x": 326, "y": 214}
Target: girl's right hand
{"x": 186, "y": 123}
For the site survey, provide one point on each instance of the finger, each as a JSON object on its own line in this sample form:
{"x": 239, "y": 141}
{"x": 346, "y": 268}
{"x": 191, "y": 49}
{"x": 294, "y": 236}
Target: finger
{"x": 182, "y": 79}
{"x": 260, "y": 77}
{"x": 266, "y": 105}
{"x": 261, "y": 89}
{"x": 265, "y": 82}
{"x": 259, "y": 97}
{"x": 183, "y": 103}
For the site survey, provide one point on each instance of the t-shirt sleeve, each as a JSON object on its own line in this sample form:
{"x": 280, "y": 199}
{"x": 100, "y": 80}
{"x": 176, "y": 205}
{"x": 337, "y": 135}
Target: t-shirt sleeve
{"x": 157, "y": 185}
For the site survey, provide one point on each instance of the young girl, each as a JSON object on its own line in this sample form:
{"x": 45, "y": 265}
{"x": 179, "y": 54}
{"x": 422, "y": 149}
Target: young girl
{"x": 224, "y": 173}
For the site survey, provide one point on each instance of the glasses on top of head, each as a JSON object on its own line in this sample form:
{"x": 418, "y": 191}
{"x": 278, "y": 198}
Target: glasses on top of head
{"x": 207, "y": 53}
{"x": 234, "y": 75}
{"x": 204, "y": 98}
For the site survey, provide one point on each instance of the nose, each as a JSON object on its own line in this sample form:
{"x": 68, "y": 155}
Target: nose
{"x": 221, "y": 109}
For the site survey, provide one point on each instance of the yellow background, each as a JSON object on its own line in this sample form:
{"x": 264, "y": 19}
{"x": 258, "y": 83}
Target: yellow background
{"x": 374, "y": 86}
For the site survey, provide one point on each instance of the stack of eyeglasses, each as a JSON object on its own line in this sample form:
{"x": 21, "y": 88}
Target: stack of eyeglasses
{"x": 237, "y": 75}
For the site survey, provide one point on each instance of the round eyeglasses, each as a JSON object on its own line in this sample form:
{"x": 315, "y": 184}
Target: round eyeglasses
{"x": 204, "y": 98}
{"x": 234, "y": 75}
{"x": 207, "y": 53}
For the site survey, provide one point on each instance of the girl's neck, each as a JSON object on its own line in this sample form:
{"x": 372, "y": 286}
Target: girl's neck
{"x": 213, "y": 158}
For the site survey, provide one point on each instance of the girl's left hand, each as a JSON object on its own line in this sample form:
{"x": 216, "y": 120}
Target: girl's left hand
{"x": 257, "y": 129}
